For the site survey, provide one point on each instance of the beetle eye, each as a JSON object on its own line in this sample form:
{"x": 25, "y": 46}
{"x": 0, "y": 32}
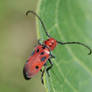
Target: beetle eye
{"x": 36, "y": 67}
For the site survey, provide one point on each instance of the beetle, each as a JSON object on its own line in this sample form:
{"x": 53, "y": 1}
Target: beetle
{"x": 43, "y": 53}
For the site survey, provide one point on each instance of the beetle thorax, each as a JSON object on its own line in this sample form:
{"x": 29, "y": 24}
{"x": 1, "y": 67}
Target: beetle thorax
{"x": 51, "y": 43}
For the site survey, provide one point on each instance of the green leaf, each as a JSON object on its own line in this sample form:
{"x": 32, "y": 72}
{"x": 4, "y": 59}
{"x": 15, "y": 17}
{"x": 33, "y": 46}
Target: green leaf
{"x": 68, "y": 20}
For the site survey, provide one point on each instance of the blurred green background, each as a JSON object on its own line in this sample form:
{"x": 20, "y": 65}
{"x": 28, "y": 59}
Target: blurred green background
{"x": 17, "y": 39}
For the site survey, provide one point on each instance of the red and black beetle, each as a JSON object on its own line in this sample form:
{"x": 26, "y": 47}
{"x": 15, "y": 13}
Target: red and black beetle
{"x": 42, "y": 54}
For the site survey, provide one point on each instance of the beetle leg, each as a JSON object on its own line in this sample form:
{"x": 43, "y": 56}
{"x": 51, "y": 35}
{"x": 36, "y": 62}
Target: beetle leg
{"x": 47, "y": 70}
{"x": 52, "y": 56}
{"x": 42, "y": 71}
{"x": 51, "y": 65}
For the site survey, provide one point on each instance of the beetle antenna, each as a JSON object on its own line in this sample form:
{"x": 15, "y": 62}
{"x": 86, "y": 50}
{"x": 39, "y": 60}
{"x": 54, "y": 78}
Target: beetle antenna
{"x": 64, "y": 43}
{"x": 40, "y": 21}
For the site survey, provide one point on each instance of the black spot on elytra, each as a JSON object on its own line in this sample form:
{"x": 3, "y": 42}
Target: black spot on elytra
{"x": 43, "y": 58}
{"x": 37, "y": 50}
{"x": 37, "y": 67}
{"x": 42, "y": 53}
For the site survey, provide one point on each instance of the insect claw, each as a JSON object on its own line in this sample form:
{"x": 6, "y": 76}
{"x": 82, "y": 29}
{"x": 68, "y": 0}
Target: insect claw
{"x": 42, "y": 82}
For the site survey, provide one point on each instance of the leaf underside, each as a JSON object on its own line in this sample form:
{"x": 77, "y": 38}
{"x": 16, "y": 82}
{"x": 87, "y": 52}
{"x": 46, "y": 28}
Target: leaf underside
{"x": 68, "y": 20}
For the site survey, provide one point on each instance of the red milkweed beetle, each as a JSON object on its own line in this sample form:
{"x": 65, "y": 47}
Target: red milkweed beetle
{"x": 42, "y": 54}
